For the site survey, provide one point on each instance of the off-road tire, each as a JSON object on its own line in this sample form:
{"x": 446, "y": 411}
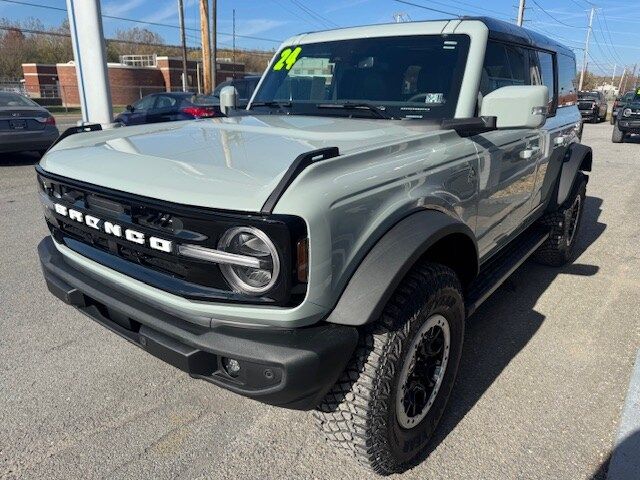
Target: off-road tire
{"x": 618, "y": 135}
{"x": 359, "y": 413}
{"x": 560, "y": 248}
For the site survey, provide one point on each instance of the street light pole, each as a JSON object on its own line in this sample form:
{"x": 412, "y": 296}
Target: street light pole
{"x": 183, "y": 39}
{"x": 87, "y": 39}
{"x": 586, "y": 50}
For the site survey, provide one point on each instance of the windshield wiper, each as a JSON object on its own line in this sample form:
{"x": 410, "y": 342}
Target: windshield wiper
{"x": 272, "y": 104}
{"x": 357, "y": 106}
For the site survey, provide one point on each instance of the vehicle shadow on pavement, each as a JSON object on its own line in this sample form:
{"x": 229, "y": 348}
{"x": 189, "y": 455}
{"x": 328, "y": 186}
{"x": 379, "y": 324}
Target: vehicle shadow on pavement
{"x": 505, "y": 324}
{"x": 19, "y": 159}
{"x": 626, "y": 461}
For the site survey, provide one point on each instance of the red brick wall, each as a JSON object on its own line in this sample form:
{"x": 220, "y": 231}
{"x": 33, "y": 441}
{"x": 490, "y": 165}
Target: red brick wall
{"x": 128, "y": 84}
{"x": 36, "y": 75}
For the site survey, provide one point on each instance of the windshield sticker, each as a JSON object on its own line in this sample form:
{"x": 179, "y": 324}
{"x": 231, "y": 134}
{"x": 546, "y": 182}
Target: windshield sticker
{"x": 288, "y": 58}
{"x": 434, "y": 98}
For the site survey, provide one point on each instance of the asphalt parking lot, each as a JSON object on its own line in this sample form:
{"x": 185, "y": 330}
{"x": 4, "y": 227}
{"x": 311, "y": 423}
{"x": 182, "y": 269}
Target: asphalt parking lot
{"x": 544, "y": 373}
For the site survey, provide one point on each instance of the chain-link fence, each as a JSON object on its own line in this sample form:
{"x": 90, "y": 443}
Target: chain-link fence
{"x": 15, "y": 85}
{"x": 68, "y": 96}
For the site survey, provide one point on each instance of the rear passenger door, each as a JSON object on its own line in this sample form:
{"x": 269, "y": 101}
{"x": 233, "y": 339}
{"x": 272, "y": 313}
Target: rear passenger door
{"x": 508, "y": 157}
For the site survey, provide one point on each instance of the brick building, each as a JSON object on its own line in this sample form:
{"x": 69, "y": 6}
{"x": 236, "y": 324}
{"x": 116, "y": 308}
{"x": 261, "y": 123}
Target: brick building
{"x": 129, "y": 80}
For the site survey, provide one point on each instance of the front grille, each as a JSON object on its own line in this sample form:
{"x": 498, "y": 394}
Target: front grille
{"x": 585, "y": 105}
{"x": 179, "y": 224}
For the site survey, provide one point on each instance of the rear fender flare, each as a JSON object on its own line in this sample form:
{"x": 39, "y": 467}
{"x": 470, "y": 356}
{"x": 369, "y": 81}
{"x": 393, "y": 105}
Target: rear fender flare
{"x": 388, "y": 262}
{"x": 578, "y": 158}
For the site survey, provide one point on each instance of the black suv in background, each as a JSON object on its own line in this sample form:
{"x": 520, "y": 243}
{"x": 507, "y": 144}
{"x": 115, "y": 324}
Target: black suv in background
{"x": 628, "y": 119}
{"x": 619, "y": 103}
{"x": 593, "y": 106}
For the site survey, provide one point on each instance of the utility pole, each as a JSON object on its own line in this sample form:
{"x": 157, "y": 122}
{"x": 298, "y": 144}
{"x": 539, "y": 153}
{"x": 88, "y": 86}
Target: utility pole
{"x": 624, "y": 72}
{"x": 183, "y": 39}
{"x": 234, "y": 40}
{"x": 521, "y": 8}
{"x": 633, "y": 77}
{"x": 206, "y": 46}
{"x": 586, "y": 50}
{"x": 613, "y": 77}
{"x": 214, "y": 41}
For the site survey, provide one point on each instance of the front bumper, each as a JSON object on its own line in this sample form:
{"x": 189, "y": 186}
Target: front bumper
{"x": 291, "y": 368}
{"x": 629, "y": 126}
{"x": 589, "y": 113}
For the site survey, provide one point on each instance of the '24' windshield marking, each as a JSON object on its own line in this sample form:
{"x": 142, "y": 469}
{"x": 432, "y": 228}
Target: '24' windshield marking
{"x": 288, "y": 58}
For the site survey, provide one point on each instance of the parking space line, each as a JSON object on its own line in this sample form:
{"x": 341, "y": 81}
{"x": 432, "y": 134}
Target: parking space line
{"x": 625, "y": 460}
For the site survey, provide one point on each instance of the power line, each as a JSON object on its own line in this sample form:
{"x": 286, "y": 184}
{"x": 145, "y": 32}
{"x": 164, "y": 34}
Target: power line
{"x": 551, "y": 16}
{"x": 469, "y": 5}
{"x": 133, "y": 20}
{"x": 427, "y": 8}
{"x": 313, "y": 14}
{"x": 117, "y": 40}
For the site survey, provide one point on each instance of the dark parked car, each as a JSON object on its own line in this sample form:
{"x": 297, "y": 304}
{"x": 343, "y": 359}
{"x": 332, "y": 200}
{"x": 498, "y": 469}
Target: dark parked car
{"x": 593, "y": 106}
{"x": 25, "y": 125}
{"x": 245, "y": 87}
{"x": 628, "y": 119}
{"x": 620, "y": 103}
{"x": 168, "y": 107}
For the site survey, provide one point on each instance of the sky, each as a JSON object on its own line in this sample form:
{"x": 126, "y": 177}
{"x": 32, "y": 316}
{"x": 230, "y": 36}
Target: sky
{"x": 264, "y": 23}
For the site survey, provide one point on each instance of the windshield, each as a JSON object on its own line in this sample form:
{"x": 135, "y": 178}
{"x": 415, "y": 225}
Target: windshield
{"x": 404, "y": 77}
{"x": 13, "y": 100}
{"x": 587, "y": 96}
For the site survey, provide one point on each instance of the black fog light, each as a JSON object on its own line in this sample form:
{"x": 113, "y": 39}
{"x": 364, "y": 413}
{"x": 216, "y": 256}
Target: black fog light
{"x": 231, "y": 366}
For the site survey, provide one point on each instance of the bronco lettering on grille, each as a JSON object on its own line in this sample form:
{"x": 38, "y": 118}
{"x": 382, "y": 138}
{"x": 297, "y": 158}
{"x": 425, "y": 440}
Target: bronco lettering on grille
{"x": 114, "y": 229}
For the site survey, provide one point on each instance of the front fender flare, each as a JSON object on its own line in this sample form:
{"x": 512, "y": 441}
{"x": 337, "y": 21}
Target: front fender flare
{"x": 391, "y": 258}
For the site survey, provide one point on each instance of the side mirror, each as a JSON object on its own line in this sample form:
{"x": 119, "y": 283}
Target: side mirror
{"x": 228, "y": 98}
{"x": 517, "y": 106}
{"x": 129, "y": 108}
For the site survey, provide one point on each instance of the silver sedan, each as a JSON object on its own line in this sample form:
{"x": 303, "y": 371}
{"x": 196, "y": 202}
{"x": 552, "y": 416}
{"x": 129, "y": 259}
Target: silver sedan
{"x": 24, "y": 125}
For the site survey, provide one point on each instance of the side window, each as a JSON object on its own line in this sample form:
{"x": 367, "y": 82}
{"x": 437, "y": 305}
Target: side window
{"x": 145, "y": 103}
{"x": 567, "y": 90}
{"x": 165, "y": 101}
{"x": 541, "y": 68}
{"x": 504, "y": 65}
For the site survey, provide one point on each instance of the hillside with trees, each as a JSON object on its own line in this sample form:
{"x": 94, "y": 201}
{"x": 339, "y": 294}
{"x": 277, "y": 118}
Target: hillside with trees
{"x": 30, "y": 41}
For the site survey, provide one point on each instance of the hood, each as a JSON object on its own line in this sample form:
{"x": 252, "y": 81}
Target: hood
{"x": 225, "y": 163}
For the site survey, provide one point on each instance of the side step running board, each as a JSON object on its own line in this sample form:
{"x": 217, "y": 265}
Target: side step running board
{"x": 497, "y": 270}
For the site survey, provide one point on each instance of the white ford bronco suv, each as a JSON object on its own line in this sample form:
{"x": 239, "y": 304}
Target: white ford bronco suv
{"x": 322, "y": 248}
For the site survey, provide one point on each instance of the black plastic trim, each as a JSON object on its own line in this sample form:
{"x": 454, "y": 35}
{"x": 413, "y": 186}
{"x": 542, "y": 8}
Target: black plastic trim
{"x": 291, "y": 368}
{"x": 388, "y": 262}
{"x": 91, "y": 127}
{"x": 579, "y": 157}
{"x": 301, "y": 162}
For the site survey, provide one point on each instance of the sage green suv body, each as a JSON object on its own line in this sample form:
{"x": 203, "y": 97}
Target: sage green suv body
{"x": 257, "y": 251}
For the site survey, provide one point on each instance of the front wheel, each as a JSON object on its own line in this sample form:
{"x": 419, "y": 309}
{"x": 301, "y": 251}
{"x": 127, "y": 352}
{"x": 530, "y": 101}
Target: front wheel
{"x": 618, "y": 135}
{"x": 388, "y": 402}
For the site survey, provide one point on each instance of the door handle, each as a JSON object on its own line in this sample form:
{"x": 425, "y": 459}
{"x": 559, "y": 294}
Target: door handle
{"x": 528, "y": 153}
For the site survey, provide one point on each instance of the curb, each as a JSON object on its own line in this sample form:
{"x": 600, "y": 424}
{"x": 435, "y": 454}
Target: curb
{"x": 625, "y": 460}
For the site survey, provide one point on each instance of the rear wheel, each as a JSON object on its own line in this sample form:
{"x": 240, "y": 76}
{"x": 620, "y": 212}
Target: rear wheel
{"x": 388, "y": 402}
{"x": 618, "y": 135}
{"x": 564, "y": 224}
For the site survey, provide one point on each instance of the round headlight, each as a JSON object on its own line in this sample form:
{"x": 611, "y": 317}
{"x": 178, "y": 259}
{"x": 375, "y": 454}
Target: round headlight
{"x": 250, "y": 242}
{"x": 626, "y": 112}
